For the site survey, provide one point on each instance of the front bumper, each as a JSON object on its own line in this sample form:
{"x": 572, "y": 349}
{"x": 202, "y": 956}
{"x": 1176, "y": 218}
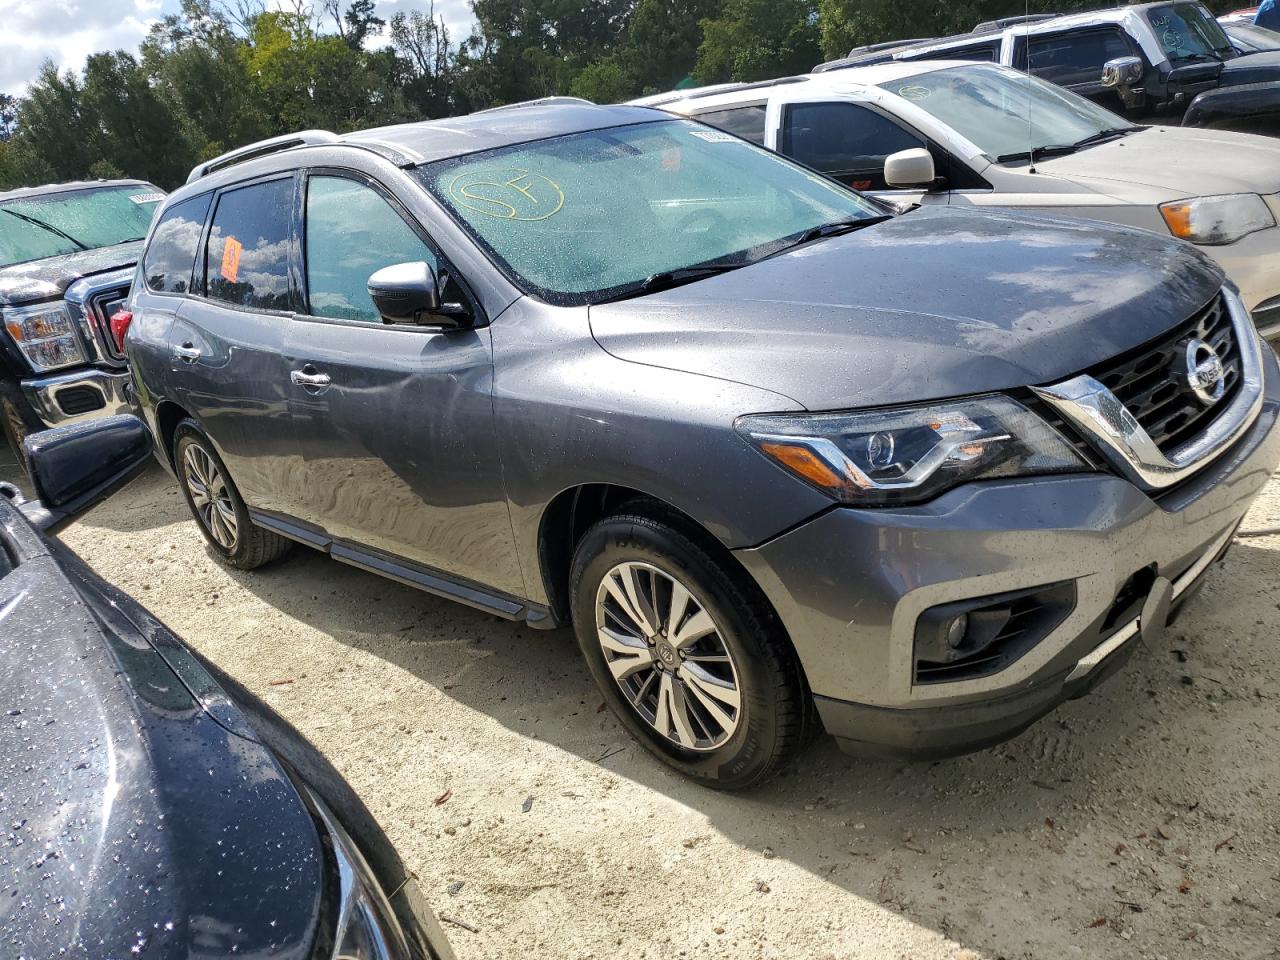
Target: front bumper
{"x": 851, "y": 584}
{"x": 77, "y": 395}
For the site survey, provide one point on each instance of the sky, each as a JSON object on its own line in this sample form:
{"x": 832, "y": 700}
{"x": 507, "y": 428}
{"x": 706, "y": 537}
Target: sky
{"x": 68, "y": 31}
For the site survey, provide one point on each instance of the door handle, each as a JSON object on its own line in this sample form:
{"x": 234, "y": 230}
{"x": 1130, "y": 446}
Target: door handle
{"x": 188, "y": 352}
{"x": 308, "y": 377}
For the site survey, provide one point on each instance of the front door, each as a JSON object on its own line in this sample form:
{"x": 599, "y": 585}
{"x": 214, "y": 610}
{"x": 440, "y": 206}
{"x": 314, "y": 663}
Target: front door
{"x": 393, "y": 423}
{"x": 850, "y": 142}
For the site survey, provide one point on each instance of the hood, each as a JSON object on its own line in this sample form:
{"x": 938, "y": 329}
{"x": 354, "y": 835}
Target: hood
{"x": 135, "y": 823}
{"x": 49, "y": 278}
{"x": 1184, "y": 161}
{"x": 933, "y": 304}
{"x": 1257, "y": 67}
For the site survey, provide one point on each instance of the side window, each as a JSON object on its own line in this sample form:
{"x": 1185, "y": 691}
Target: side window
{"x": 846, "y": 141}
{"x": 171, "y": 255}
{"x": 1070, "y": 58}
{"x": 352, "y": 232}
{"x": 247, "y": 258}
{"x": 986, "y": 53}
{"x": 745, "y": 122}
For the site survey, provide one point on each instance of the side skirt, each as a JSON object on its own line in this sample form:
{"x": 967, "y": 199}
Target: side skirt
{"x": 409, "y": 573}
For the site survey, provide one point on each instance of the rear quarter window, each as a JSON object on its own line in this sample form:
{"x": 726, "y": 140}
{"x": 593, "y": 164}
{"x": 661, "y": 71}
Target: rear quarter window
{"x": 171, "y": 256}
{"x": 747, "y": 122}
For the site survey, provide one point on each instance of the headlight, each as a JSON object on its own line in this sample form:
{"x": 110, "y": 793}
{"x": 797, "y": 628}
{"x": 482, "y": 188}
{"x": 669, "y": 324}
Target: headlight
{"x": 45, "y": 334}
{"x": 1215, "y": 220}
{"x": 910, "y": 454}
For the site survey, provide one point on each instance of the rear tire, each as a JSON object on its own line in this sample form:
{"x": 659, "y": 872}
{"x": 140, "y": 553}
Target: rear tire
{"x": 217, "y": 506}
{"x": 693, "y": 631}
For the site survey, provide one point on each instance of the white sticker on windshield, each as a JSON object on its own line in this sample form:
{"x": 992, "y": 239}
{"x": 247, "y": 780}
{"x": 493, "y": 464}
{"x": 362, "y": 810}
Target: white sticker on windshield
{"x": 147, "y": 197}
{"x": 715, "y": 136}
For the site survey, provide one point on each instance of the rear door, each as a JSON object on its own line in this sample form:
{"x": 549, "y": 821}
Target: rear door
{"x": 394, "y": 423}
{"x": 226, "y": 343}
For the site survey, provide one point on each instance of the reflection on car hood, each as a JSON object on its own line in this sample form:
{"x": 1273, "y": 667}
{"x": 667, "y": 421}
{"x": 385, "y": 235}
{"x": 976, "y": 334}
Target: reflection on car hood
{"x": 49, "y": 278}
{"x": 135, "y": 824}
{"x": 933, "y": 304}
{"x": 1185, "y": 161}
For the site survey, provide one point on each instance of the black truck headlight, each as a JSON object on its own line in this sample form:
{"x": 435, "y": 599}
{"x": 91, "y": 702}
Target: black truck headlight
{"x": 46, "y": 335}
{"x": 911, "y": 454}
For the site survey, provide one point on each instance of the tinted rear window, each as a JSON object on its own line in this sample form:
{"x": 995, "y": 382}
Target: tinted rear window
{"x": 171, "y": 255}
{"x": 746, "y": 122}
{"x": 247, "y": 259}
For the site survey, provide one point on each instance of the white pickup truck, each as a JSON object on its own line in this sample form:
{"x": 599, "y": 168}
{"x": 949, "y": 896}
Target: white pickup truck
{"x": 942, "y": 132}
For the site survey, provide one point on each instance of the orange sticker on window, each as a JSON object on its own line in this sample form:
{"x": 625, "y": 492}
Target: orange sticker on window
{"x": 231, "y": 259}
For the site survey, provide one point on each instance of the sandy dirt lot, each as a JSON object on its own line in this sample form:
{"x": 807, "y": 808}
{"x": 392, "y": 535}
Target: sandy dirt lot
{"x": 1142, "y": 822}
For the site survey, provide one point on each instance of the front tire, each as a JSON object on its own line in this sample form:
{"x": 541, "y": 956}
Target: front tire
{"x": 217, "y": 506}
{"x": 687, "y": 651}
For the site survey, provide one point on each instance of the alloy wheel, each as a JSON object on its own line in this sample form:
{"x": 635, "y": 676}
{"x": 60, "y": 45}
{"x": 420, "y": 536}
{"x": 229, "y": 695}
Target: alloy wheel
{"x": 668, "y": 656}
{"x": 210, "y": 495}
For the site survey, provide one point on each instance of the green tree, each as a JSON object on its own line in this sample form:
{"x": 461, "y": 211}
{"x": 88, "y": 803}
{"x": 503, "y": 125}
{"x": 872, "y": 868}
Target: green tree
{"x": 758, "y": 39}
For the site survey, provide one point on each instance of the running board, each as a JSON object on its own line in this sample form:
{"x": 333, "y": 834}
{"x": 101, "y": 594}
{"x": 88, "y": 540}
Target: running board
{"x": 408, "y": 573}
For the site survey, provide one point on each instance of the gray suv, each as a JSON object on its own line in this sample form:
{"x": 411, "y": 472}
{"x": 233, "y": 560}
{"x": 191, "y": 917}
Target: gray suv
{"x": 779, "y": 453}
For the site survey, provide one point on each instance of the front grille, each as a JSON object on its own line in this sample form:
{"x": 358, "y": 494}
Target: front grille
{"x": 102, "y": 307}
{"x": 1143, "y": 380}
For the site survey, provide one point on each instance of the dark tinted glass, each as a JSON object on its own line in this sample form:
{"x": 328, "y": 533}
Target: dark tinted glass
{"x": 171, "y": 255}
{"x": 845, "y": 141}
{"x": 746, "y": 122}
{"x": 983, "y": 54}
{"x": 1078, "y": 57}
{"x": 247, "y": 261}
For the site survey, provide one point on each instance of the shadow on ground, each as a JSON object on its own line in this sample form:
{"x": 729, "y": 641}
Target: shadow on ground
{"x": 1131, "y": 823}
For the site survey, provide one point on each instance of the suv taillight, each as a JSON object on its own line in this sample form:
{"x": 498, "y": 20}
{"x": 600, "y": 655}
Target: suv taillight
{"x": 120, "y": 321}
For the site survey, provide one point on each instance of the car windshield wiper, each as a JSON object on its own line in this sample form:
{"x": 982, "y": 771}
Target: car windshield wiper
{"x": 825, "y": 230}
{"x": 45, "y": 226}
{"x": 1104, "y": 135}
{"x": 1039, "y": 153}
{"x": 673, "y": 278}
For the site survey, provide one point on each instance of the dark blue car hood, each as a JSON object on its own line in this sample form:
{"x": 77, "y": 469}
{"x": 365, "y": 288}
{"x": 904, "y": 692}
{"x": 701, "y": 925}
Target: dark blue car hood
{"x": 935, "y": 303}
{"x": 135, "y": 823}
{"x": 1251, "y": 68}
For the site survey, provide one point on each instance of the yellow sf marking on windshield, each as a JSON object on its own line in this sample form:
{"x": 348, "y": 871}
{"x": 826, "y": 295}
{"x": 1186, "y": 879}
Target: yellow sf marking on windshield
{"x": 511, "y": 194}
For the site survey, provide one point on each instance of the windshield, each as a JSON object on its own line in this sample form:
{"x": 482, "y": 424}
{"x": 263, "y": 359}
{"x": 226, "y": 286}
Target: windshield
{"x": 1187, "y": 31}
{"x": 54, "y": 224}
{"x": 592, "y": 216}
{"x": 989, "y": 106}
{"x": 1250, "y": 38}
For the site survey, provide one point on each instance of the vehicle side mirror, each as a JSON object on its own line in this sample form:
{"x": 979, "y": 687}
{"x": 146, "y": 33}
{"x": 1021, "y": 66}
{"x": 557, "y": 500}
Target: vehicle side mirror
{"x": 1124, "y": 75}
{"x": 910, "y": 168}
{"x": 409, "y": 293}
{"x": 76, "y": 467}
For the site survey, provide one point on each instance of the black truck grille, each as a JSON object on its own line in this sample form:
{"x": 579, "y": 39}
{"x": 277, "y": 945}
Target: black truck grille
{"x": 1143, "y": 379}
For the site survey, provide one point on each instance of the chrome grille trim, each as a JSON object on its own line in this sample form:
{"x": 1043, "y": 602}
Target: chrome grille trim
{"x": 1105, "y": 422}
{"x": 84, "y": 298}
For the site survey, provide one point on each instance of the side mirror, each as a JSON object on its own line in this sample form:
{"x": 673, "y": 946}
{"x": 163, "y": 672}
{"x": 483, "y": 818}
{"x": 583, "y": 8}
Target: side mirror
{"x": 1122, "y": 72}
{"x": 75, "y": 467}
{"x": 409, "y": 293}
{"x": 910, "y": 168}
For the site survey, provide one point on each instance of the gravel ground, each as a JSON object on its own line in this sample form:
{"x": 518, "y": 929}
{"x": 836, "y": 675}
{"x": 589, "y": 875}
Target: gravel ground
{"x": 1143, "y": 821}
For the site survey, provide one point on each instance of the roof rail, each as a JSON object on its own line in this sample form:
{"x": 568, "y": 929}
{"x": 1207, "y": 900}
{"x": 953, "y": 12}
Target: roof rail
{"x": 305, "y": 138}
{"x": 716, "y": 89}
{"x": 987, "y": 26}
{"x": 539, "y": 102}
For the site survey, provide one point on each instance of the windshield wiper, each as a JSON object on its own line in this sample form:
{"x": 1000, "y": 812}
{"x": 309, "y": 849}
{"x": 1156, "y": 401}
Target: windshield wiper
{"x": 45, "y": 226}
{"x": 672, "y": 278}
{"x": 1103, "y": 135}
{"x": 1039, "y": 153}
{"x": 825, "y": 230}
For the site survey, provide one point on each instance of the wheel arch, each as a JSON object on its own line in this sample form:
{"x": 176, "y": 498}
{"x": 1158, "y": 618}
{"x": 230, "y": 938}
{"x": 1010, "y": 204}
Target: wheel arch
{"x": 168, "y": 415}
